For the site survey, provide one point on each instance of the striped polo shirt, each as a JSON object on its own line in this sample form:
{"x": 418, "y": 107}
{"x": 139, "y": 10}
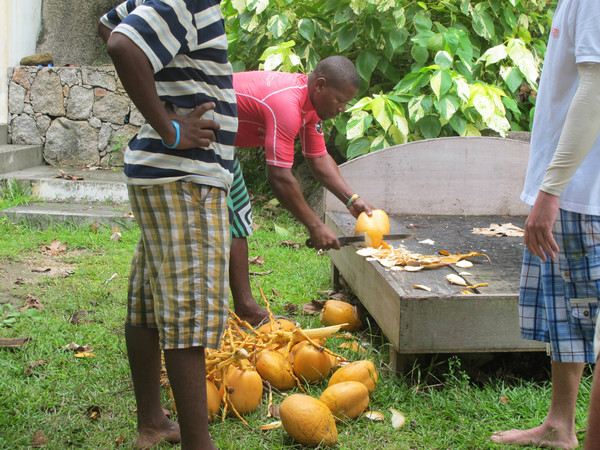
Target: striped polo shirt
{"x": 185, "y": 42}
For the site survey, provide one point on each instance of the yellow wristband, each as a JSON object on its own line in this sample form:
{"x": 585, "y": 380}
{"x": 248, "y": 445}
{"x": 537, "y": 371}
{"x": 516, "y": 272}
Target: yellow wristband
{"x": 351, "y": 201}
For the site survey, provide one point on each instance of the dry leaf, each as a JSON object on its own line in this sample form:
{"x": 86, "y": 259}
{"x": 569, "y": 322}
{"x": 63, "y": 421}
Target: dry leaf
{"x": 94, "y": 227}
{"x": 374, "y": 415}
{"x": 290, "y": 307}
{"x": 116, "y": 236}
{"x": 33, "y": 365}
{"x": 505, "y": 400}
{"x": 344, "y": 345}
{"x": 397, "y": 419}
{"x": 54, "y": 248}
{"x": 314, "y": 307}
{"x": 39, "y": 439}
{"x": 259, "y": 260}
{"x": 423, "y": 288}
{"x": 119, "y": 440}
{"x": 288, "y": 243}
{"x": 455, "y": 279}
{"x": 13, "y": 342}
{"x": 84, "y": 355}
{"x": 32, "y": 303}
{"x": 270, "y": 426}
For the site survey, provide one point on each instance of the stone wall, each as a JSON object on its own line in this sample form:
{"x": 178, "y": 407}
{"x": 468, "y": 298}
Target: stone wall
{"x": 81, "y": 115}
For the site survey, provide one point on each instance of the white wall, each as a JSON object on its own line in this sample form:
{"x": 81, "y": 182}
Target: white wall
{"x": 20, "y": 22}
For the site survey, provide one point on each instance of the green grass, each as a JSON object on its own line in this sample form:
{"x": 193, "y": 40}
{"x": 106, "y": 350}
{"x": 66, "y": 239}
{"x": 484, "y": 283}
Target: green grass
{"x": 45, "y": 389}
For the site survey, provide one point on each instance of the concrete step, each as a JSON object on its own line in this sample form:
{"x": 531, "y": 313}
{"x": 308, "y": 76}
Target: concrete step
{"x": 48, "y": 183}
{"x": 41, "y": 215}
{"x": 19, "y": 157}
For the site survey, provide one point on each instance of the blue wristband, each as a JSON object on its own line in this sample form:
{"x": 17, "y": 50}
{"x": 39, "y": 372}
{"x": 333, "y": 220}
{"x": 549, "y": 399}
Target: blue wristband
{"x": 176, "y": 125}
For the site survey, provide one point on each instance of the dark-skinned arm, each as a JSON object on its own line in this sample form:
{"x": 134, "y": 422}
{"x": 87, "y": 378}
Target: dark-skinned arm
{"x": 326, "y": 171}
{"x": 135, "y": 72}
{"x": 286, "y": 189}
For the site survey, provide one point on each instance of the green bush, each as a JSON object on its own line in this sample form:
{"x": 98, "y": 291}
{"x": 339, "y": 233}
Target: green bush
{"x": 428, "y": 69}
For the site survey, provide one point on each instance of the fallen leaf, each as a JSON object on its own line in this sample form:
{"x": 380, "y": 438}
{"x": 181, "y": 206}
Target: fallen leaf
{"x": 84, "y": 355}
{"x": 13, "y": 342}
{"x": 270, "y": 426}
{"x": 128, "y": 215}
{"x": 119, "y": 440}
{"x": 259, "y": 260}
{"x": 39, "y": 439}
{"x": 344, "y": 345}
{"x": 289, "y": 243}
{"x": 94, "y": 412}
{"x": 275, "y": 292}
{"x": 54, "y": 248}
{"x": 33, "y": 365}
{"x": 397, "y": 418}
{"x": 290, "y": 307}
{"x": 374, "y": 415}
{"x": 314, "y": 307}
{"x": 32, "y": 303}
{"x": 112, "y": 277}
{"x": 423, "y": 288}
{"x": 455, "y": 279}
{"x": 116, "y": 236}
{"x": 44, "y": 270}
{"x": 338, "y": 296}
{"x": 274, "y": 410}
{"x": 505, "y": 400}
{"x": 94, "y": 227}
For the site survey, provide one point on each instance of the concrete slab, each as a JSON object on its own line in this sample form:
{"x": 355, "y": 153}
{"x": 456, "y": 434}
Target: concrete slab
{"x": 19, "y": 157}
{"x": 42, "y": 215}
{"x": 50, "y": 183}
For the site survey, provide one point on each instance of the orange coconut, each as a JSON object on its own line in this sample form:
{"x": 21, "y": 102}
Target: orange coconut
{"x": 374, "y": 227}
{"x": 308, "y": 421}
{"x": 276, "y": 369}
{"x": 310, "y": 363}
{"x": 244, "y": 389}
{"x": 347, "y": 399}
{"x": 363, "y": 371}
{"x": 336, "y": 312}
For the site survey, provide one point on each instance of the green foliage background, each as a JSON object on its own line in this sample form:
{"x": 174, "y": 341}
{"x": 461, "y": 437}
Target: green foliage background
{"x": 428, "y": 68}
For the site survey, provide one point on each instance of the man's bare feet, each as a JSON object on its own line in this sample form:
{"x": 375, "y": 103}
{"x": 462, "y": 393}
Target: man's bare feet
{"x": 542, "y": 436}
{"x": 168, "y": 431}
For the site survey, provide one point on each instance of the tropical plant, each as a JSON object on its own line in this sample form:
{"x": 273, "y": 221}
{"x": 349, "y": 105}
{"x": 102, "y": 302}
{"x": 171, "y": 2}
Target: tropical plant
{"x": 427, "y": 68}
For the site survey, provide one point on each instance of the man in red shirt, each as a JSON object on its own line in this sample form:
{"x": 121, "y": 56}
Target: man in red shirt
{"x": 274, "y": 108}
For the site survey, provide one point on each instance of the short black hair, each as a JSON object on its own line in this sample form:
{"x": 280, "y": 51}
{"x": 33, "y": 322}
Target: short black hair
{"x": 338, "y": 70}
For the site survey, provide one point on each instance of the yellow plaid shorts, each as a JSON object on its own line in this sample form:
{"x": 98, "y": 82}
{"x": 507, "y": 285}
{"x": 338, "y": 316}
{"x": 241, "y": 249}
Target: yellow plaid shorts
{"x": 179, "y": 273}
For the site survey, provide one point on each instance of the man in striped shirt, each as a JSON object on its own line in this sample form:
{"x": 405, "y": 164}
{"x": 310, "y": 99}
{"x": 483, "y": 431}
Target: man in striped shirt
{"x": 178, "y": 171}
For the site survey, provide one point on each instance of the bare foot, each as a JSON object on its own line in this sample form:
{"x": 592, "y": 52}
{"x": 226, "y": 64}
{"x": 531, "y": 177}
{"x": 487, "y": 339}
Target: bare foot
{"x": 150, "y": 437}
{"x": 542, "y": 436}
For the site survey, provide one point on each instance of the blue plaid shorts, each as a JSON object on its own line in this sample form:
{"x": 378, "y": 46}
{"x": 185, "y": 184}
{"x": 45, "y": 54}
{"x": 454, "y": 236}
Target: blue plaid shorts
{"x": 558, "y": 300}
